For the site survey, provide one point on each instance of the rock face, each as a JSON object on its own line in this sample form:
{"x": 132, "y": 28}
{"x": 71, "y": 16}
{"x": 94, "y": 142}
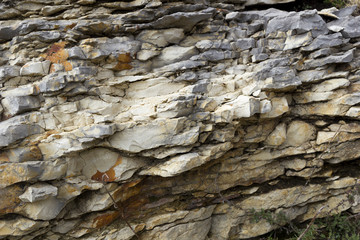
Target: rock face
{"x": 177, "y": 118}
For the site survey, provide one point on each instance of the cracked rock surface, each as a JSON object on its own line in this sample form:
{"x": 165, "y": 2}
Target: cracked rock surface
{"x": 177, "y": 118}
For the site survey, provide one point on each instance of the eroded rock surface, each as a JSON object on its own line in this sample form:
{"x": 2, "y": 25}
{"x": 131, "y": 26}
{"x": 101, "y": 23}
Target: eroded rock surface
{"x": 177, "y": 118}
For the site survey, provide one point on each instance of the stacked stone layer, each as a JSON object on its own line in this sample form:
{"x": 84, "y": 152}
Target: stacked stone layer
{"x": 188, "y": 115}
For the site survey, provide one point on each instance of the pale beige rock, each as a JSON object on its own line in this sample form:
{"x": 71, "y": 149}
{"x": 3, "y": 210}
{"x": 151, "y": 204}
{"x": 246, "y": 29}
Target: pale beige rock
{"x": 38, "y": 191}
{"x": 308, "y": 97}
{"x": 162, "y": 38}
{"x": 278, "y": 136}
{"x": 297, "y": 41}
{"x": 330, "y": 85}
{"x": 20, "y": 226}
{"x": 299, "y": 132}
{"x": 46, "y": 209}
{"x": 279, "y": 107}
{"x": 112, "y": 165}
{"x": 35, "y": 68}
{"x": 173, "y": 54}
{"x": 241, "y": 107}
{"x": 161, "y": 132}
{"x": 188, "y": 161}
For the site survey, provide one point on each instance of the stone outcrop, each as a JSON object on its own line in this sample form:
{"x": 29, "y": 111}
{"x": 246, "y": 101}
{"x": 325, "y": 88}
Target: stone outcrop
{"x": 174, "y": 120}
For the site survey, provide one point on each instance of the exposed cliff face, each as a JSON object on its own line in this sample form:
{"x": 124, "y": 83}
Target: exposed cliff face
{"x": 188, "y": 116}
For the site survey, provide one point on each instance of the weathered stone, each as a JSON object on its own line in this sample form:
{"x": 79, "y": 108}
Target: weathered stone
{"x": 162, "y": 132}
{"x": 162, "y": 38}
{"x": 182, "y": 20}
{"x": 308, "y": 97}
{"x": 174, "y": 54}
{"x": 185, "y": 162}
{"x": 31, "y": 171}
{"x": 241, "y": 107}
{"x": 20, "y": 226}
{"x": 17, "y": 128}
{"x": 20, "y": 104}
{"x": 244, "y": 44}
{"x": 297, "y": 41}
{"x": 279, "y": 107}
{"x": 51, "y": 10}
{"x": 35, "y": 68}
{"x": 7, "y": 72}
{"x": 45, "y": 209}
{"x": 349, "y": 26}
{"x": 38, "y": 191}
{"x": 336, "y": 58}
{"x": 299, "y": 132}
{"x": 302, "y": 22}
{"x": 330, "y": 85}
{"x": 112, "y": 167}
{"x": 325, "y": 41}
{"x": 260, "y": 2}
{"x": 278, "y": 136}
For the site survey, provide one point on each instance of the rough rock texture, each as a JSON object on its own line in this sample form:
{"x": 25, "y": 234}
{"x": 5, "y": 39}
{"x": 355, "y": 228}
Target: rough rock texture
{"x": 179, "y": 118}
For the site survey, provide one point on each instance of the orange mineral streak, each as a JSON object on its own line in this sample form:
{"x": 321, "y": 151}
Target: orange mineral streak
{"x": 71, "y": 26}
{"x": 10, "y": 198}
{"x": 124, "y": 61}
{"x": 105, "y": 219}
{"x": 109, "y": 175}
{"x": 4, "y": 158}
{"x": 59, "y": 55}
{"x": 128, "y": 190}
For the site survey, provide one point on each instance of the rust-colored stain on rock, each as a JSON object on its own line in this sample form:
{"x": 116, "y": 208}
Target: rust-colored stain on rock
{"x": 70, "y": 26}
{"x": 105, "y": 219}
{"x": 109, "y": 175}
{"x": 4, "y": 158}
{"x": 59, "y": 55}
{"x": 124, "y": 61}
{"x": 10, "y": 198}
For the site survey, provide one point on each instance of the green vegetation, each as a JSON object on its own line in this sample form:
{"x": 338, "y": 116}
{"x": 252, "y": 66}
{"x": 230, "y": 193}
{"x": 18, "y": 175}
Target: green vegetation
{"x": 336, "y": 227}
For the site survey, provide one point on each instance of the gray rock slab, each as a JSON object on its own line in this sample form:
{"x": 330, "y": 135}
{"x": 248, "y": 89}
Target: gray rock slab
{"x": 7, "y": 72}
{"x": 52, "y": 83}
{"x": 336, "y": 58}
{"x": 38, "y": 191}
{"x": 350, "y": 26}
{"x": 20, "y": 104}
{"x": 244, "y": 43}
{"x": 302, "y": 22}
{"x": 17, "y": 128}
{"x": 214, "y": 55}
{"x": 184, "y": 20}
{"x": 326, "y": 41}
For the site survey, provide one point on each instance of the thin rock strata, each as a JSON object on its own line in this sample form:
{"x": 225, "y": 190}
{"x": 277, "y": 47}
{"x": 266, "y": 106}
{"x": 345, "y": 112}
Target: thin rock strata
{"x": 179, "y": 119}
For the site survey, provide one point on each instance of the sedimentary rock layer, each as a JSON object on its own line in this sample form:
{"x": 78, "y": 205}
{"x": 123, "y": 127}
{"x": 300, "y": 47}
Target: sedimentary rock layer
{"x": 179, "y": 119}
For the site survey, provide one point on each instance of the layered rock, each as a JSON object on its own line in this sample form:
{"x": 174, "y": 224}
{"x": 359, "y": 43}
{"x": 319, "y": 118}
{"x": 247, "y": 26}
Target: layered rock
{"x": 173, "y": 120}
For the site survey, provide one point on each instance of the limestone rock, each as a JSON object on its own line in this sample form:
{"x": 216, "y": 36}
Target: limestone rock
{"x": 17, "y": 128}
{"x": 279, "y": 107}
{"x": 20, "y": 226}
{"x": 278, "y": 136}
{"x": 105, "y": 165}
{"x": 38, "y": 191}
{"x": 185, "y": 162}
{"x": 302, "y": 22}
{"x": 174, "y": 54}
{"x": 162, "y": 38}
{"x": 35, "y": 68}
{"x": 162, "y": 132}
{"x": 299, "y": 132}
{"x": 20, "y": 104}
